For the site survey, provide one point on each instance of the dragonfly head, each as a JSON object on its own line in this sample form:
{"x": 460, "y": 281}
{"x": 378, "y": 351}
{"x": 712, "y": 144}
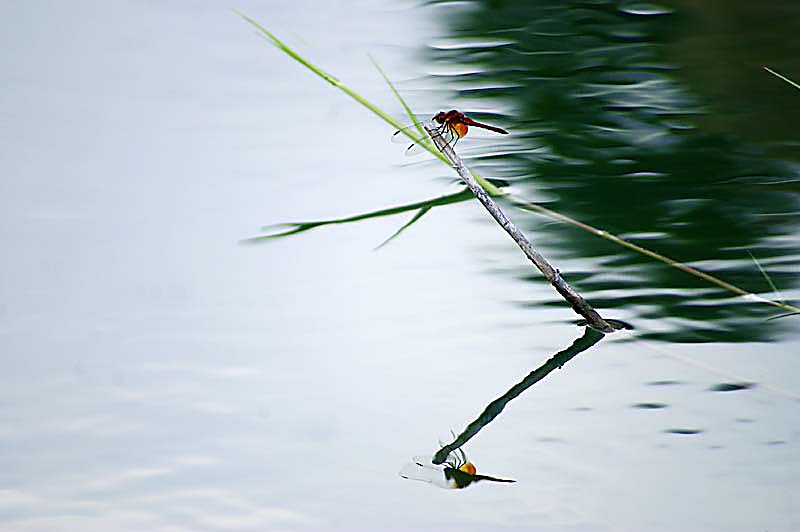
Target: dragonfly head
{"x": 448, "y": 116}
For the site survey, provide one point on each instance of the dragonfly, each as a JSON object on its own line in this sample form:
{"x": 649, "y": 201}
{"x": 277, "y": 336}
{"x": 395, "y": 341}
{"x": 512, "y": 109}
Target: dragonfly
{"x": 451, "y": 125}
{"x": 456, "y": 473}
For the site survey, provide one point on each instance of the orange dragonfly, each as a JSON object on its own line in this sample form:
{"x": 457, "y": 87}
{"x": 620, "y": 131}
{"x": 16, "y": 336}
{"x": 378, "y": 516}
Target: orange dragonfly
{"x": 452, "y": 125}
{"x": 456, "y": 473}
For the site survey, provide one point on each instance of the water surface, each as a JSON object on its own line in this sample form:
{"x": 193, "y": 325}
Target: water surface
{"x": 160, "y": 375}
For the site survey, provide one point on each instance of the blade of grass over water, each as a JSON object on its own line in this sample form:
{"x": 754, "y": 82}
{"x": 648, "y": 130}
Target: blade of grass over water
{"x": 784, "y": 315}
{"x": 420, "y": 213}
{"x": 300, "y": 227}
{"x": 400, "y": 99}
{"x": 533, "y": 207}
{"x": 353, "y": 94}
{"x": 775, "y": 290}
{"x": 784, "y": 78}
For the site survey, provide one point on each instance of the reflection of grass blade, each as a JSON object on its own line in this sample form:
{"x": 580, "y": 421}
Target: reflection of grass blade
{"x": 420, "y": 213}
{"x": 784, "y": 78}
{"x": 300, "y": 227}
{"x": 775, "y": 290}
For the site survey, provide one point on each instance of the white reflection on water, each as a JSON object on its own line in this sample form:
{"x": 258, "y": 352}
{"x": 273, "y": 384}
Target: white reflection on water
{"x": 198, "y": 509}
{"x": 157, "y": 375}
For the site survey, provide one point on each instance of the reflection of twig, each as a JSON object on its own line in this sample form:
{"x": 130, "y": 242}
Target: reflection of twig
{"x": 579, "y": 305}
{"x": 590, "y": 337}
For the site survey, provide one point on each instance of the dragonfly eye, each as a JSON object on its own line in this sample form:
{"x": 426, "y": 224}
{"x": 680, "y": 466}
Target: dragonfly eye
{"x": 439, "y": 117}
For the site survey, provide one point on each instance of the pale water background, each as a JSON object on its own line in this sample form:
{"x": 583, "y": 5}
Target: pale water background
{"x": 157, "y": 374}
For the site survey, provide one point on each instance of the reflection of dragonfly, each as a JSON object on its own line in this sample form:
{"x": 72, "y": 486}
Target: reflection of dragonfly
{"x": 451, "y": 125}
{"x": 456, "y": 473}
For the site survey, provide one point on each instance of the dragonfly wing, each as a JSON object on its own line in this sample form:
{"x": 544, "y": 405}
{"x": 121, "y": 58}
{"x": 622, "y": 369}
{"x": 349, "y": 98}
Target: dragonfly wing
{"x": 416, "y": 147}
{"x": 422, "y": 470}
{"x": 404, "y": 135}
{"x": 449, "y": 135}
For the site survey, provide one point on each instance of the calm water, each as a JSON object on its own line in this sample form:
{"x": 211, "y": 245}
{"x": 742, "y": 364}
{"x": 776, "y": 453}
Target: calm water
{"x": 157, "y": 374}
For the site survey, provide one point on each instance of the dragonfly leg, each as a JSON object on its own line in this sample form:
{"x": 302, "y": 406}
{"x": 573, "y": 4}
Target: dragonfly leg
{"x": 461, "y": 451}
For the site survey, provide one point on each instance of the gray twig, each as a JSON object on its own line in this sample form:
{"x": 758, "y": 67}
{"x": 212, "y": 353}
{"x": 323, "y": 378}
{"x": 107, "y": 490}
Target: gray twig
{"x": 578, "y": 303}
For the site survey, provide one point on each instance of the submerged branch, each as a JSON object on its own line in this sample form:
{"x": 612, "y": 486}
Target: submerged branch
{"x": 578, "y": 303}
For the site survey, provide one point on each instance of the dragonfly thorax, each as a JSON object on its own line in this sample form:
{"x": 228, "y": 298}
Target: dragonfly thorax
{"x": 468, "y": 468}
{"x": 450, "y": 116}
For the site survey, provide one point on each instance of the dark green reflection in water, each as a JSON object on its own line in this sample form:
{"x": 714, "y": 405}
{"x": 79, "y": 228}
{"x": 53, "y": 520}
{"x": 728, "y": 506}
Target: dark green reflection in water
{"x": 617, "y": 139}
{"x": 589, "y": 338}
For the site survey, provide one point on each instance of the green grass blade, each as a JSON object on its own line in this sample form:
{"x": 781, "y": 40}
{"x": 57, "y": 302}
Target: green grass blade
{"x": 784, "y": 78}
{"x": 775, "y": 290}
{"x": 410, "y": 114}
{"x": 291, "y": 53}
{"x": 783, "y": 315}
{"x": 300, "y": 227}
{"x": 357, "y": 97}
{"x": 321, "y": 73}
{"x": 420, "y": 213}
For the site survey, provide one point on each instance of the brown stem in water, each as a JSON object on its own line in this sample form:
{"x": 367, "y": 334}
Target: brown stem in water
{"x": 578, "y": 303}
